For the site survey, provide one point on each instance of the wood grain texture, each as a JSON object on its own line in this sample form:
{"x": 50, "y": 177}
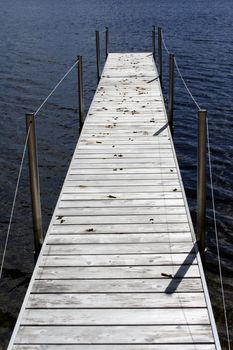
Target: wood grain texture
{"x": 118, "y": 260}
{"x": 116, "y": 347}
{"x": 120, "y": 248}
{"x": 86, "y": 238}
{"x": 119, "y": 228}
{"x": 126, "y": 272}
{"x": 115, "y": 317}
{"x": 116, "y": 301}
{"x": 135, "y": 204}
{"x": 115, "y": 335}
{"x": 114, "y": 285}
{"x": 119, "y": 211}
{"x": 120, "y": 195}
{"x": 121, "y": 219}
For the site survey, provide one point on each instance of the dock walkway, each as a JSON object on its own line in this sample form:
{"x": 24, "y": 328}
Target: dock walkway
{"x": 119, "y": 268}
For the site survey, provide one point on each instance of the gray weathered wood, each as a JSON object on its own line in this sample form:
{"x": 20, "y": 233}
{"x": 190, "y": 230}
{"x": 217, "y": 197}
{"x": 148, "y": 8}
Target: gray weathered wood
{"x": 108, "y": 272}
{"x": 119, "y": 195}
{"x": 70, "y": 211}
{"x": 122, "y": 183}
{"x": 116, "y": 301}
{"x": 118, "y": 177}
{"x": 115, "y": 335}
{"x": 118, "y": 260}
{"x": 128, "y": 163}
{"x": 86, "y": 238}
{"x": 116, "y": 347}
{"x": 119, "y": 228}
{"x": 120, "y": 248}
{"x": 174, "y": 187}
{"x": 121, "y": 171}
{"x": 122, "y": 219}
{"x": 114, "y": 285}
{"x": 116, "y": 317}
{"x": 136, "y": 204}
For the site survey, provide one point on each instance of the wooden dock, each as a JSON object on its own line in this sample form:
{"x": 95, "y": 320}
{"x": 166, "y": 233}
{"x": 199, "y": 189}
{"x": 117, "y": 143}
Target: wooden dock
{"x": 119, "y": 269}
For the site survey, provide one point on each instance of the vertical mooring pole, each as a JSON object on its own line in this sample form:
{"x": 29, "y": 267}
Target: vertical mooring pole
{"x": 201, "y": 182}
{"x": 97, "y": 40}
{"x": 34, "y": 184}
{"x": 106, "y": 42}
{"x": 171, "y": 92}
{"x": 153, "y": 41}
{"x": 160, "y": 54}
{"x": 80, "y": 91}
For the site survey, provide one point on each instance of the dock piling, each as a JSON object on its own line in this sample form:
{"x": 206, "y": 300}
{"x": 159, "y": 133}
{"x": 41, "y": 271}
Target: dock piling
{"x": 171, "y": 92}
{"x": 106, "y": 42}
{"x": 80, "y": 92}
{"x": 34, "y": 184}
{"x": 160, "y": 56}
{"x": 97, "y": 40}
{"x": 201, "y": 182}
{"x": 153, "y": 41}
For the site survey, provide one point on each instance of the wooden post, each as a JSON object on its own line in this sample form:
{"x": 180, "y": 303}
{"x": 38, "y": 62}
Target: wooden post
{"x": 201, "y": 182}
{"x": 106, "y": 42}
{"x": 34, "y": 184}
{"x": 171, "y": 92}
{"x": 97, "y": 39}
{"x": 80, "y": 91}
{"x": 160, "y": 58}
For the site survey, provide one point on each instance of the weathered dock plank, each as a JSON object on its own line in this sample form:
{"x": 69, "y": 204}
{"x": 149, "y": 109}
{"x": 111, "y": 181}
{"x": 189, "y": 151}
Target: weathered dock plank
{"x": 115, "y": 334}
{"x": 116, "y": 347}
{"x": 85, "y": 238}
{"x": 120, "y": 248}
{"x": 116, "y": 301}
{"x": 115, "y": 285}
{"x": 120, "y": 268}
{"x": 117, "y": 260}
{"x": 115, "y": 317}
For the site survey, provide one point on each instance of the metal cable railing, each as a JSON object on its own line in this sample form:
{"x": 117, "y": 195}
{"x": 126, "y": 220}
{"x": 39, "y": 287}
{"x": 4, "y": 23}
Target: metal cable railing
{"x": 32, "y": 145}
{"x": 212, "y": 191}
{"x": 22, "y": 162}
{"x": 180, "y": 74}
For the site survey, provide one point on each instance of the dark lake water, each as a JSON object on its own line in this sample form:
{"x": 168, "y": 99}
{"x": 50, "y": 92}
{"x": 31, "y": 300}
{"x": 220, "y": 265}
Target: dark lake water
{"x": 39, "y": 40}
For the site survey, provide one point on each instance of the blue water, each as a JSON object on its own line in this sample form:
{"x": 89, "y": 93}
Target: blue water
{"x": 39, "y": 40}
